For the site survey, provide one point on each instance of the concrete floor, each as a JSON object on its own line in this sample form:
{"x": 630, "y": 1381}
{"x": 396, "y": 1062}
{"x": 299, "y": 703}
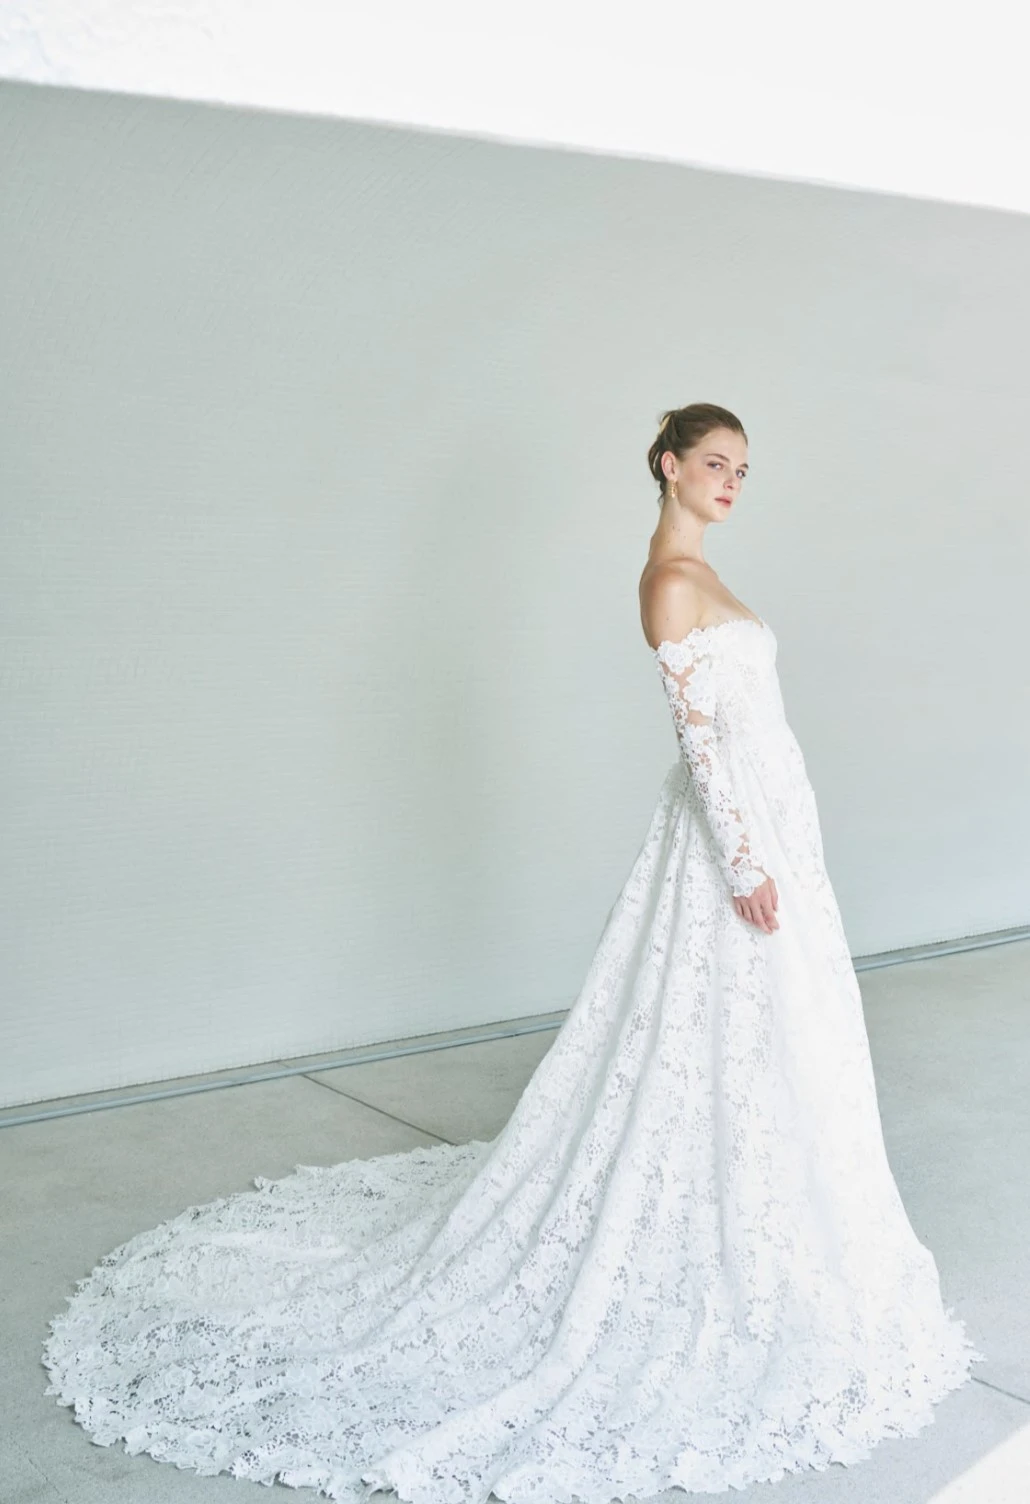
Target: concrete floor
{"x": 951, "y": 1044}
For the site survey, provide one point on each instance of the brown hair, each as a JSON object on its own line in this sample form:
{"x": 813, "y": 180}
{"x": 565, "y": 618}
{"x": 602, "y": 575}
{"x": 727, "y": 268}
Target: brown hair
{"x": 682, "y": 428}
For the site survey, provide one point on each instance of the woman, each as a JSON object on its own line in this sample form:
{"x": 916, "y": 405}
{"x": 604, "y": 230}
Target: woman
{"x": 682, "y": 1262}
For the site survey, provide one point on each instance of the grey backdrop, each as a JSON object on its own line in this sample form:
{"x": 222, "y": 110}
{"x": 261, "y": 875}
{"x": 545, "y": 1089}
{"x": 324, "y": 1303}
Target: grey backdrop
{"x": 327, "y": 717}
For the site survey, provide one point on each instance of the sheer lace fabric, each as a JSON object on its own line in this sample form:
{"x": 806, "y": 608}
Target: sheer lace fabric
{"x": 683, "y": 1261}
{"x": 702, "y": 703}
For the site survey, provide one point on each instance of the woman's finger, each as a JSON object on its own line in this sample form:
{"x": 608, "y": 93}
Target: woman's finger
{"x": 758, "y": 914}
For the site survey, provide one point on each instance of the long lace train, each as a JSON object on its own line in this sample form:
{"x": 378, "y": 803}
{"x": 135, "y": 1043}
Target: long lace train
{"x": 683, "y": 1261}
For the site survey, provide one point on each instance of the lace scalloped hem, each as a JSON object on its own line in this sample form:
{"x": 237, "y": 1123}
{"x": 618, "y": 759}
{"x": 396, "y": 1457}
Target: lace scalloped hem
{"x": 546, "y": 1470}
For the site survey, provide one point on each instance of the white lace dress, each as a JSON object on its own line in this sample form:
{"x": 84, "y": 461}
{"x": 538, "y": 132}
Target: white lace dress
{"x": 683, "y": 1261}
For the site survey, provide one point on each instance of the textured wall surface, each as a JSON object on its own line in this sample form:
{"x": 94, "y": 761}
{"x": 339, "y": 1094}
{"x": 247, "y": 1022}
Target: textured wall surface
{"x": 326, "y": 715}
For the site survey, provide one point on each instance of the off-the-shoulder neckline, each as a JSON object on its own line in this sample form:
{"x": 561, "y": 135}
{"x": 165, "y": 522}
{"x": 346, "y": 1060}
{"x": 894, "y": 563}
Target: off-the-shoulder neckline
{"x": 729, "y": 621}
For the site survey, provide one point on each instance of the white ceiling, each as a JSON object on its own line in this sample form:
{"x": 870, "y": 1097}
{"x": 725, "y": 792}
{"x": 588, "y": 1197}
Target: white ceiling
{"x": 903, "y": 97}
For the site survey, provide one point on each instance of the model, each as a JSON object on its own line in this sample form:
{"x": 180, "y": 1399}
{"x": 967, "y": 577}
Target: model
{"x": 684, "y": 1260}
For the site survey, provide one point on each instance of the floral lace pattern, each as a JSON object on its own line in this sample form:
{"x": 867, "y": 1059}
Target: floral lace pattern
{"x": 683, "y": 1261}
{"x": 690, "y": 671}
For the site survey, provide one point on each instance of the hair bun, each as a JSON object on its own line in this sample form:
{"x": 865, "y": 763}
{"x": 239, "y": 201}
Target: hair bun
{"x": 692, "y": 422}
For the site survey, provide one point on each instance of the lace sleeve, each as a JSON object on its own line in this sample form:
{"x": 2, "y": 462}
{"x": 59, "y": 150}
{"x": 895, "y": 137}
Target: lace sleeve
{"x": 689, "y": 675}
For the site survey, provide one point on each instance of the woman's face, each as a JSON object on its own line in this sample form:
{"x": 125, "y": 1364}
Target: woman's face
{"x": 709, "y": 478}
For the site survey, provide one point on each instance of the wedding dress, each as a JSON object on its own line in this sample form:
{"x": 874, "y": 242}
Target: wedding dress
{"x": 683, "y": 1262}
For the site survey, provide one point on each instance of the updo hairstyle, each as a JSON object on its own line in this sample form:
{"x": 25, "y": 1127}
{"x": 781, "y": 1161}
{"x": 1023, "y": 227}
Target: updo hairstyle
{"x": 683, "y": 428}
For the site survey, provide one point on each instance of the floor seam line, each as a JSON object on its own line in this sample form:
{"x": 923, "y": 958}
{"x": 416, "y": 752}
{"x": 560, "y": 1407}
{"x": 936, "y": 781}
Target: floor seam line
{"x": 392, "y": 1115}
{"x": 1022, "y": 1398}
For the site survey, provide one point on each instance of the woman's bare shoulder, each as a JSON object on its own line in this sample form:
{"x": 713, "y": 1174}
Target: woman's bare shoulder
{"x": 672, "y": 600}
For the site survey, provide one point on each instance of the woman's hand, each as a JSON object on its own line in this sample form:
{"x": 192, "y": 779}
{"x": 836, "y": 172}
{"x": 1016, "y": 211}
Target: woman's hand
{"x": 759, "y": 908}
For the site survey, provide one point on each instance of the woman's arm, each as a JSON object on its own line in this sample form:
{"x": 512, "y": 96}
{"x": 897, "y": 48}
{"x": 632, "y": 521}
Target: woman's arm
{"x": 689, "y": 675}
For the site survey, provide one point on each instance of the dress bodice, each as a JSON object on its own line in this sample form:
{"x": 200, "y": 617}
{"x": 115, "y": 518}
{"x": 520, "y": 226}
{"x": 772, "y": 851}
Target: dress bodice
{"x": 737, "y": 659}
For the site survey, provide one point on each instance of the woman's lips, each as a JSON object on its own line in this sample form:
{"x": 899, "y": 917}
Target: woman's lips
{"x": 727, "y": 500}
